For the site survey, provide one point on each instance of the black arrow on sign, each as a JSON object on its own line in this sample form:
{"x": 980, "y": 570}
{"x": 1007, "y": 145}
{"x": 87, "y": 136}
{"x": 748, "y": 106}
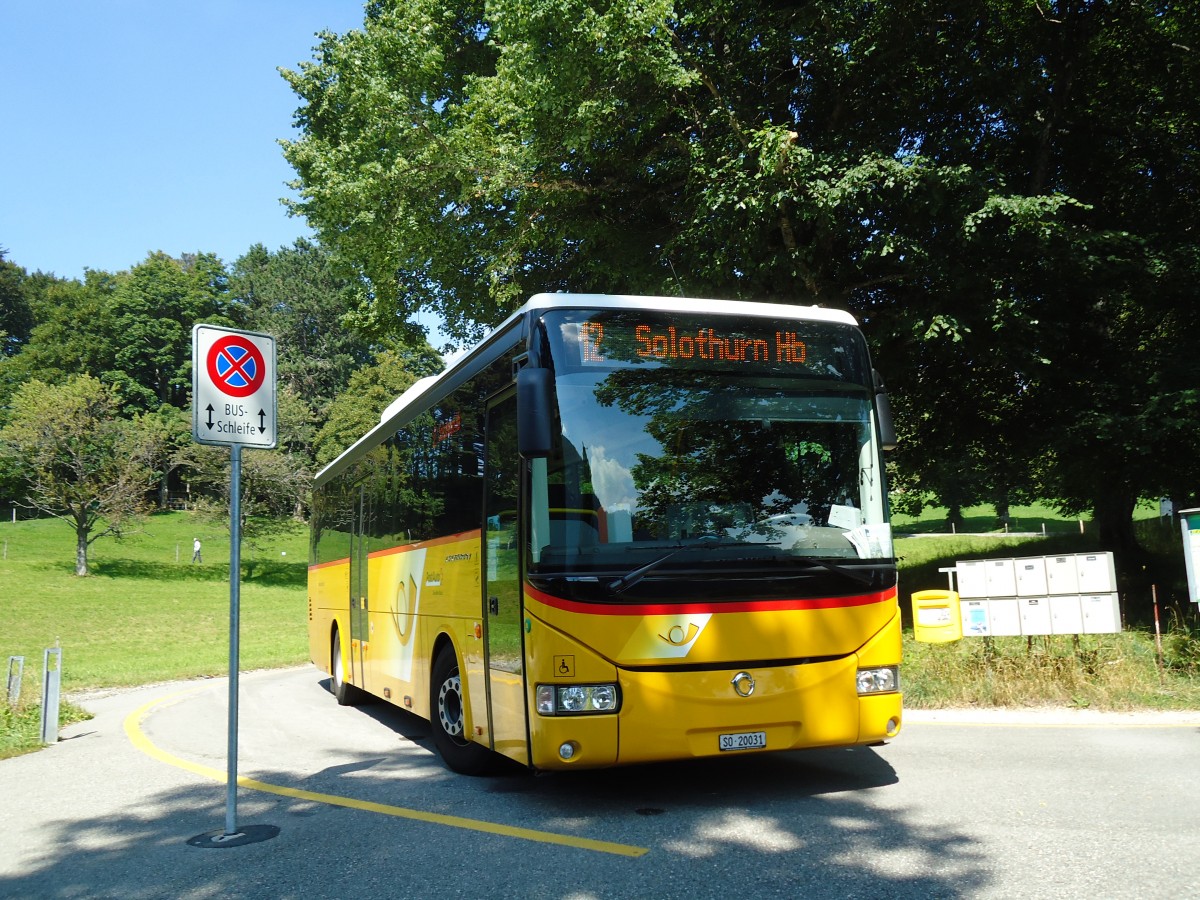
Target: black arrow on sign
{"x": 262, "y": 421}
{"x": 210, "y": 412}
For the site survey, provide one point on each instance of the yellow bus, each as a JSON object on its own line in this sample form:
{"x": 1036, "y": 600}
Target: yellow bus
{"x": 619, "y": 530}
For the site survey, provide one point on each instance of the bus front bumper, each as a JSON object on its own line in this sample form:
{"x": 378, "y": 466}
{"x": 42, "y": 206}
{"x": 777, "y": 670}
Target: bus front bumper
{"x": 671, "y": 715}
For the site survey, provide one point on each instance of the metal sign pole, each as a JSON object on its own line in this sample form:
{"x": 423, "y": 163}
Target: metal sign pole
{"x": 235, "y": 579}
{"x": 234, "y": 405}
{"x": 51, "y": 684}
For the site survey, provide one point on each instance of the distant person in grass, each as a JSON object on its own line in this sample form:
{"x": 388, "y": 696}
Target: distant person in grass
{"x": 196, "y": 551}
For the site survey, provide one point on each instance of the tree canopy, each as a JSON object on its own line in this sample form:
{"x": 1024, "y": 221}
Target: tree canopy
{"x": 370, "y": 391}
{"x": 296, "y": 295}
{"x": 151, "y": 312}
{"x": 15, "y": 317}
{"x": 1004, "y": 192}
{"x": 108, "y": 357}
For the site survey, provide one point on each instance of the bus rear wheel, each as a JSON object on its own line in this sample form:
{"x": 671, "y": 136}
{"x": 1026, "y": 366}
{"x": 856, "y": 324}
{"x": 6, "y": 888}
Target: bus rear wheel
{"x": 447, "y": 705}
{"x": 345, "y": 693}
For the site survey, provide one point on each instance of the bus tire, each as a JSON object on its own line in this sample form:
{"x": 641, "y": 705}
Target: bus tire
{"x": 447, "y": 719}
{"x": 345, "y": 693}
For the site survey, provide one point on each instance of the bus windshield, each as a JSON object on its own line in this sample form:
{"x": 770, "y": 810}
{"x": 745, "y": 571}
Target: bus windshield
{"x": 689, "y": 442}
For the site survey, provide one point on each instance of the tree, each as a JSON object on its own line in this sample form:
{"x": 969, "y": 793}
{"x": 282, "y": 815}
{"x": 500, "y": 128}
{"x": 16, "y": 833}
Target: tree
{"x": 713, "y": 149}
{"x": 421, "y": 82}
{"x": 356, "y": 411}
{"x": 152, "y": 310}
{"x": 130, "y": 329}
{"x": 296, "y": 296}
{"x": 168, "y": 430}
{"x": 81, "y": 462}
{"x": 278, "y": 483}
{"x": 70, "y": 330}
{"x": 16, "y": 319}
{"x": 1005, "y": 193}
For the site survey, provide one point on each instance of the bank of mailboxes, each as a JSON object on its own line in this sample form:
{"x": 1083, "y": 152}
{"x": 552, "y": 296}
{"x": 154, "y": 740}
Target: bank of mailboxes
{"x": 1069, "y": 594}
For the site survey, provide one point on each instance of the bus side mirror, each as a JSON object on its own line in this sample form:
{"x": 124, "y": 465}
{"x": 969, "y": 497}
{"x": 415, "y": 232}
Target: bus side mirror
{"x": 883, "y": 413}
{"x": 535, "y": 412}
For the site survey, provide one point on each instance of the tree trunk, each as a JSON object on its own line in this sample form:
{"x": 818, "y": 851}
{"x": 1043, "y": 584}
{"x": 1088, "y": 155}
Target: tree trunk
{"x": 1113, "y": 515}
{"x": 1002, "y": 512}
{"x": 1114, "y": 520}
{"x": 81, "y": 550}
{"x": 954, "y": 517}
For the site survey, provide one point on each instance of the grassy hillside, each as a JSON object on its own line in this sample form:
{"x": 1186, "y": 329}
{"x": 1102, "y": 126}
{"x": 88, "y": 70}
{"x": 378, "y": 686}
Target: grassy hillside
{"x": 146, "y": 613}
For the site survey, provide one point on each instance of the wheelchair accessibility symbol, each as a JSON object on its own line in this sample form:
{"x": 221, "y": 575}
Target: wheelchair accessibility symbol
{"x": 564, "y": 666}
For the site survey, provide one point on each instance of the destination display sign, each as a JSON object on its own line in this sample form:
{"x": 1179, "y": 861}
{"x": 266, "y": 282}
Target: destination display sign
{"x": 623, "y": 339}
{"x": 672, "y": 343}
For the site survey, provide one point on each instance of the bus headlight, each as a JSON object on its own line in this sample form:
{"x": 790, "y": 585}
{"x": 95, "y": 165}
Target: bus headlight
{"x": 885, "y": 680}
{"x": 577, "y": 699}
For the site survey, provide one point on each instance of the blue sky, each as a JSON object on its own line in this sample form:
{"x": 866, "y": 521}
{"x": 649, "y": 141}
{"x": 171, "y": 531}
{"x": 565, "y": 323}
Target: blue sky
{"x": 139, "y": 125}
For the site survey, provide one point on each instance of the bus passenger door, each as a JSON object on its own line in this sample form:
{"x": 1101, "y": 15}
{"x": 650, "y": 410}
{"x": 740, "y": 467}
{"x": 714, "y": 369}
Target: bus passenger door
{"x": 504, "y": 649}
{"x": 358, "y": 589}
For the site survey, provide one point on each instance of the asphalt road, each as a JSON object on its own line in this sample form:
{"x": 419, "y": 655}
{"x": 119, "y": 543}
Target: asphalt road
{"x": 1055, "y": 804}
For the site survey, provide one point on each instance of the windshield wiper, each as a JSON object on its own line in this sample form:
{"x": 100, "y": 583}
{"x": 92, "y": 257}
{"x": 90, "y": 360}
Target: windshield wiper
{"x": 708, "y": 542}
{"x": 845, "y": 572}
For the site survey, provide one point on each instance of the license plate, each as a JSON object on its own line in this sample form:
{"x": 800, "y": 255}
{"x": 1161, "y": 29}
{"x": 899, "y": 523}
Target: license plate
{"x": 745, "y": 740}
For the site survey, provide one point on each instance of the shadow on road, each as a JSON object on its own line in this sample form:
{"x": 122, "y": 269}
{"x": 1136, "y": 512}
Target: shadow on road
{"x": 820, "y": 823}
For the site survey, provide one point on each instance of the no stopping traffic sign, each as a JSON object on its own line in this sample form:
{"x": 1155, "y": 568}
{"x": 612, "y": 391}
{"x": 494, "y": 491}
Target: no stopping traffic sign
{"x": 235, "y": 365}
{"x": 233, "y": 387}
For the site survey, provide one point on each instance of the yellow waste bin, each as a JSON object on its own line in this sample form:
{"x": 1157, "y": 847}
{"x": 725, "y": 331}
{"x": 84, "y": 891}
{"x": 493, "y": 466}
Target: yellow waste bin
{"x": 937, "y": 617}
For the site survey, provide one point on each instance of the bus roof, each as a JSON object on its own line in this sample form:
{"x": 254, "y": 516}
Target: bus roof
{"x": 421, "y": 393}
{"x": 684, "y": 304}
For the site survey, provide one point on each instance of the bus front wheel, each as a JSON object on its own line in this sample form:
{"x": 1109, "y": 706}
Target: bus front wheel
{"x": 447, "y": 704}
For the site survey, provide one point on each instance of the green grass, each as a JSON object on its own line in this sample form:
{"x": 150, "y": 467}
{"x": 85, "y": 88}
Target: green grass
{"x": 1035, "y": 519}
{"x": 21, "y": 726}
{"x": 146, "y": 613}
{"x": 923, "y": 555}
{"x": 1105, "y": 672}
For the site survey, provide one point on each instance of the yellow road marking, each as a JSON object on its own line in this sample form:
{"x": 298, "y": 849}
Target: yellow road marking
{"x": 133, "y": 728}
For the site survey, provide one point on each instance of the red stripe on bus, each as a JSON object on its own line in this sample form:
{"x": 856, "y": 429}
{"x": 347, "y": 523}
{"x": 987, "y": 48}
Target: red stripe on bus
{"x": 708, "y": 606}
